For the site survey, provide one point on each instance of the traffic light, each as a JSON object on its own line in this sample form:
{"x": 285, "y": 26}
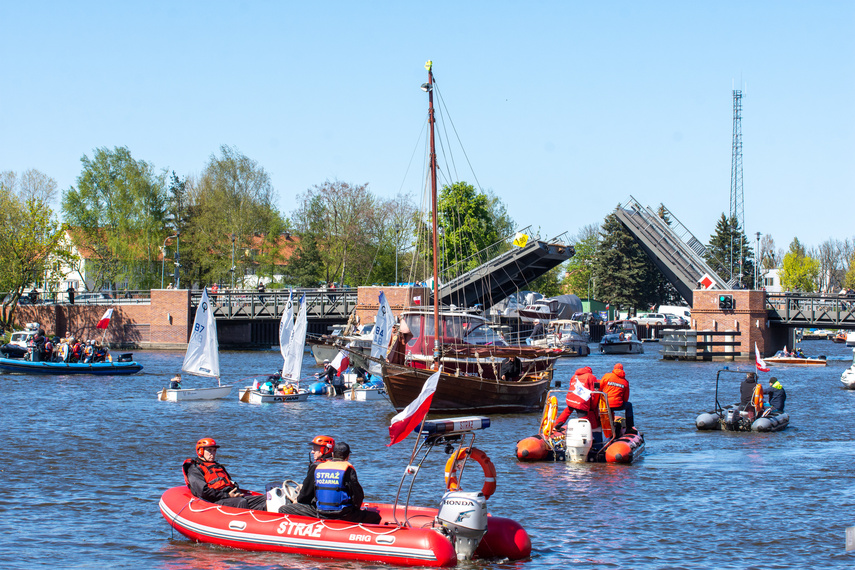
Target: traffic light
{"x": 725, "y": 302}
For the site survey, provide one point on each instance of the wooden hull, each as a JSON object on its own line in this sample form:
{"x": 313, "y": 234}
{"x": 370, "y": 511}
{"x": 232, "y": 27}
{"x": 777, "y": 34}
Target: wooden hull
{"x": 467, "y": 394}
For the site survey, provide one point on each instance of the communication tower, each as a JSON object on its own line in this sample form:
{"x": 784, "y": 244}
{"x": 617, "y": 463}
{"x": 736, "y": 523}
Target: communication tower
{"x": 737, "y": 210}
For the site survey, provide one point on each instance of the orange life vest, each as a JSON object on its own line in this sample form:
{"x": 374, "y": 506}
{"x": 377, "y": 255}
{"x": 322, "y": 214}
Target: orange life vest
{"x": 216, "y": 476}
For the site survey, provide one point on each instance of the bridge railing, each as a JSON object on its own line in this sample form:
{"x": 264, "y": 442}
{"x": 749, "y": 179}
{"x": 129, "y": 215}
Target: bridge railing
{"x": 810, "y": 309}
{"x": 250, "y": 304}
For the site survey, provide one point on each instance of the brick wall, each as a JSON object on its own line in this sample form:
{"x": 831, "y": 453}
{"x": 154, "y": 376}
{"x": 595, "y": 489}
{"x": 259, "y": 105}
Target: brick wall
{"x": 747, "y": 317}
{"x": 368, "y": 300}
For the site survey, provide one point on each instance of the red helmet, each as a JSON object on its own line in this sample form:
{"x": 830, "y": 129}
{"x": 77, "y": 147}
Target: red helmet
{"x": 325, "y": 442}
{"x": 203, "y": 443}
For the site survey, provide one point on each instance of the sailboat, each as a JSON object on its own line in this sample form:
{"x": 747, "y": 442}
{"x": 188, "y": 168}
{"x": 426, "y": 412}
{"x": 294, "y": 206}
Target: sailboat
{"x": 471, "y": 380}
{"x": 201, "y": 359}
{"x": 292, "y": 343}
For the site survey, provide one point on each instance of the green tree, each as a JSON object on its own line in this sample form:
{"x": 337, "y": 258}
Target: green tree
{"x": 580, "y": 267}
{"x": 799, "y": 272}
{"x": 32, "y": 248}
{"x": 116, "y": 212}
{"x": 624, "y": 274}
{"x": 467, "y": 223}
{"x": 728, "y": 253}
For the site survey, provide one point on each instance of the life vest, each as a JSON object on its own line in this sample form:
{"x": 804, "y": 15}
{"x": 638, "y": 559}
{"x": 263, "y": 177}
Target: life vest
{"x": 330, "y": 493}
{"x": 216, "y": 476}
{"x": 455, "y": 462}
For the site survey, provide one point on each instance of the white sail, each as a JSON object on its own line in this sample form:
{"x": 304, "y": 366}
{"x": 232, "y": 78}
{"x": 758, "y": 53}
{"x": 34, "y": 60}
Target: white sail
{"x": 382, "y": 334}
{"x": 286, "y": 325}
{"x": 203, "y": 354}
{"x": 293, "y": 366}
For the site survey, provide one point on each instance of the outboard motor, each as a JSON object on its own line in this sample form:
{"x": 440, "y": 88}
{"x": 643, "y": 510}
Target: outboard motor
{"x": 579, "y": 440}
{"x": 464, "y": 517}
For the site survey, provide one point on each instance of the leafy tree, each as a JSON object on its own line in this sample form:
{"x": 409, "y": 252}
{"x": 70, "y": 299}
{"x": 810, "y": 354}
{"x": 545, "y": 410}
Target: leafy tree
{"x": 728, "y": 253}
{"x": 798, "y": 271}
{"x": 117, "y": 212}
{"x": 231, "y": 205}
{"x": 32, "y": 247}
{"x": 467, "y": 223}
{"x": 306, "y": 267}
{"x": 624, "y": 274}
{"x": 579, "y": 268}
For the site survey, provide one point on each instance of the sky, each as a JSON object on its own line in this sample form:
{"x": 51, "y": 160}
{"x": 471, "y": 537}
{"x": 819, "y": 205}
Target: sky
{"x": 565, "y": 109}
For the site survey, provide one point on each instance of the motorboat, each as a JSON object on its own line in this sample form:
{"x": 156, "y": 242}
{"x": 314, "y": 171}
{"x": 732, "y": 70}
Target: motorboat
{"x": 578, "y": 442}
{"x": 848, "y": 376}
{"x": 621, "y": 338}
{"x": 552, "y": 308}
{"x": 568, "y": 335}
{"x": 18, "y": 345}
{"x": 784, "y": 358}
{"x": 850, "y": 338}
{"x": 752, "y": 417}
{"x": 839, "y": 338}
{"x": 123, "y": 365}
{"x": 201, "y": 359}
{"x": 460, "y": 529}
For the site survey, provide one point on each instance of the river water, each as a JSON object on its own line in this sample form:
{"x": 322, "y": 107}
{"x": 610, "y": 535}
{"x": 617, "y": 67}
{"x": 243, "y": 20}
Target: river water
{"x": 86, "y": 460}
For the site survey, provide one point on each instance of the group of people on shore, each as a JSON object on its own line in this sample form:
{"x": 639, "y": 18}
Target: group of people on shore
{"x": 330, "y": 490}
{"x": 66, "y": 349}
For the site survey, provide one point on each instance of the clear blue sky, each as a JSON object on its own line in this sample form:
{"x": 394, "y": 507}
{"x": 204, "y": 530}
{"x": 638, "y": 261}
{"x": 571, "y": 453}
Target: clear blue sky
{"x": 564, "y": 108}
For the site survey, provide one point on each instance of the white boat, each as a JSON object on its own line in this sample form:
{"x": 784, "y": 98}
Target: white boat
{"x": 292, "y": 343}
{"x": 560, "y": 307}
{"x": 850, "y": 338}
{"x": 566, "y": 334}
{"x": 202, "y": 358}
{"x": 621, "y": 338}
{"x": 848, "y": 376}
{"x": 365, "y": 393}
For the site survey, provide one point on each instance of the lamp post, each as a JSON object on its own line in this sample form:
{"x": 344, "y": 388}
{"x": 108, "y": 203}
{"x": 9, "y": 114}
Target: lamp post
{"x": 232, "y": 270}
{"x": 177, "y": 260}
{"x": 163, "y": 258}
{"x": 756, "y": 260}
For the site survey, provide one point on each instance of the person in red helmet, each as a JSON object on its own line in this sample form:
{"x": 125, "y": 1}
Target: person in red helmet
{"x": 581, "y": 400}
{"x": 210, "y": 481}
{"x": 615, "y": 385}
{"x": 322, "y": 448}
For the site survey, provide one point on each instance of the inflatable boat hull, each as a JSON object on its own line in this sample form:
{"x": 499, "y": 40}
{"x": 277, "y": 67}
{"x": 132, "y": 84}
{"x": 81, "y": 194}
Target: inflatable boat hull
{"x": 625, "y": 449}
{"x": 418, "y": 544}
{"x": 714, "y": 421}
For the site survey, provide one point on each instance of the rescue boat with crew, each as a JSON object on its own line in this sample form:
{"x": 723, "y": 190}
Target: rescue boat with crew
{"x": 459, "y": 529}
{"x": 753, "y": 417}
{"x": 578, "y": 441}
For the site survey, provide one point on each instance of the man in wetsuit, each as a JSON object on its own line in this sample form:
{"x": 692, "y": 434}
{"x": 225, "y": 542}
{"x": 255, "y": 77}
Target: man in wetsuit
{"x": 210, "y": 481}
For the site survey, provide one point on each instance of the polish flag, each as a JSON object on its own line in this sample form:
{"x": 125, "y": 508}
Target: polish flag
{"x": 761, "y": 366}
{"x": 417, "y": 299}
{"x": 341, "y": 361}
{"x": 414, "y": 413}
{"x": 105, "y": 320}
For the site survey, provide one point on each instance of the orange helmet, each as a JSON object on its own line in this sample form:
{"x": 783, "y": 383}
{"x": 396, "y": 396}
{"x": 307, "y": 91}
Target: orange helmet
{"x": 325, "y": 442}
{"x": 203, "y": 443}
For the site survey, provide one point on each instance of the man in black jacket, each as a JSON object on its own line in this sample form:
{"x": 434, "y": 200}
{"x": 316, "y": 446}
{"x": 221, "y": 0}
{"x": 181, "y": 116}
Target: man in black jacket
{"x": 210, "y": 481}
{"x": 322, "y": 448}
{"x": 777, "y": 395}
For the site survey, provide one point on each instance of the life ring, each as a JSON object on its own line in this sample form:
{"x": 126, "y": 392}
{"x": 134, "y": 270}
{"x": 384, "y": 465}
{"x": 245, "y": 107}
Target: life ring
{"x": 757, "y": 399}
{"x": 453, "y": 464}
{"x": 549, "y": 413}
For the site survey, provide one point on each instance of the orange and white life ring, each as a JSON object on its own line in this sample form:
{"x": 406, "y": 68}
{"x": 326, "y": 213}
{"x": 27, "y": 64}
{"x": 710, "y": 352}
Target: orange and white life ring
{"x": 549, "y": 413}
{"x": 757, "y": 399}
{"x": 454, "y": 463}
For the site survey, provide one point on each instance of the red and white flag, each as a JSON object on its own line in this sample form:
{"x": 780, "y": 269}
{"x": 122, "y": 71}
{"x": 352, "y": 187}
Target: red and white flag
{"x": 105, "y": 320}
{"x": 341, "y": 361}
{"x": 417, "y": 299}
{"x": 761, "y": 366}
{"x": 414, "y": 413}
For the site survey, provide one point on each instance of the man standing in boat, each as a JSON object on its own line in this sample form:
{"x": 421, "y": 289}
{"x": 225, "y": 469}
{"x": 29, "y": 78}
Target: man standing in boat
{"x": 537, "y": 332}
{"x": 210, "y": 481}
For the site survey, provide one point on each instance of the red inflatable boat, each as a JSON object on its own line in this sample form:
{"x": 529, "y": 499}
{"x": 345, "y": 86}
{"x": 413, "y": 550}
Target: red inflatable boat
{"x": 406, "y": 535}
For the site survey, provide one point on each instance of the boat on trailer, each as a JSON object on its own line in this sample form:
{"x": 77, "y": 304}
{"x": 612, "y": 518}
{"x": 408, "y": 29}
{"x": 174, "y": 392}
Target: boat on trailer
{"x": 459, "y": 529}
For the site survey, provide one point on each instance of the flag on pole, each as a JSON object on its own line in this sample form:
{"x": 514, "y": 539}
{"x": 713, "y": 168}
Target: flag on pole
{"x": 761, "y": 366}
{"x": 520, "y": 239}
{"x": 414, "y": 414}
{"x": 105, "y": 320}
{"x": 417, "y": 300}
{"x": 341, "y": 361}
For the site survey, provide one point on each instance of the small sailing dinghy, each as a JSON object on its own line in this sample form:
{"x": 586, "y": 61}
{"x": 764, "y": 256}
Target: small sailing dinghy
{"x": 202, "y": 358}
{"x": 292, "y": 342}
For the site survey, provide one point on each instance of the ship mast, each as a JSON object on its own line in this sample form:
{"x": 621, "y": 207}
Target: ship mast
{"x": 431, "y": 120}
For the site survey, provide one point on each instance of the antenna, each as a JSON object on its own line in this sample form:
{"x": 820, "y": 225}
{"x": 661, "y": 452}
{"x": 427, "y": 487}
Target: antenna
{"x": 737, "y": 210}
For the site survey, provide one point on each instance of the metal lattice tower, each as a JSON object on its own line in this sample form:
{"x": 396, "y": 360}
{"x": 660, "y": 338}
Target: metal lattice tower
{"x": 737, "y": 210}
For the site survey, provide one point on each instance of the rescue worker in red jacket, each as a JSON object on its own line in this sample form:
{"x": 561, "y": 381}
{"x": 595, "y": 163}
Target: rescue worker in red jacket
{"x": 210, "y": 481}
{"x": 322, "y": 448}
{"x": 615, "y": 385}
{"x": 580, "y": 400}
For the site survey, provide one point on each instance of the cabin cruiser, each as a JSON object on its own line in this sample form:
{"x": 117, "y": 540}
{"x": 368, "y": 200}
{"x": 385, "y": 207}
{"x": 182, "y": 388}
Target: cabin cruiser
{"x": 621, "y": 338}
{"x": 552, "y": 308}
{"x": 566, "y": 334}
